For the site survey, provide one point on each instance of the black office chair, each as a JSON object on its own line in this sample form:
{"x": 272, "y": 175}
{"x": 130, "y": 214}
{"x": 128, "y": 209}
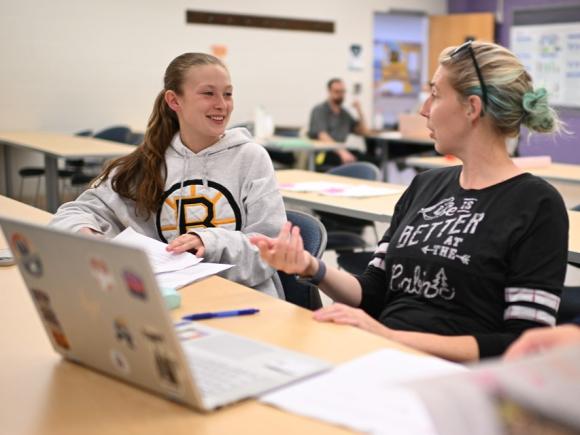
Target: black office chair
{"x": 135, "y": 138}
{"x": 314, "y": 236}
{"x": 71, "y": 166}
{"x": 118, "y": 133}
{"x": 76, "y": 165}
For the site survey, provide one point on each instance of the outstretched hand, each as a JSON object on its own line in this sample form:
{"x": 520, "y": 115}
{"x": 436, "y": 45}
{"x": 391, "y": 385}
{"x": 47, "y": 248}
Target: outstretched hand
{"x": 285, "y": 252}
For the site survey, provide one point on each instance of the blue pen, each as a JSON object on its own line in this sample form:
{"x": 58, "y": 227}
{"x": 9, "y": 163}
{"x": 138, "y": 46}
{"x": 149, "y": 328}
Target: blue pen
{"x": 217, "y": 314}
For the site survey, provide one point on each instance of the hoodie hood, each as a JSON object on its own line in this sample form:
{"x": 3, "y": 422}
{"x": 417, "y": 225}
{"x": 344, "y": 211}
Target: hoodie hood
{"x": 232, "y": 138}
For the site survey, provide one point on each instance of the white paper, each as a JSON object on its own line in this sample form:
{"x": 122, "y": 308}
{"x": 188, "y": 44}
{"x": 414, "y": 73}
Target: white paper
{"x": 365, "y": 394}
{"x": 160, "y": 259}
{"x": 181, "y": 278}
{"x": 339, "y": 189}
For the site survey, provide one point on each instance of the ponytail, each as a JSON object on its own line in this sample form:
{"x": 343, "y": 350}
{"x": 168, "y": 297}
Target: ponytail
{"x": 140, "y": 176}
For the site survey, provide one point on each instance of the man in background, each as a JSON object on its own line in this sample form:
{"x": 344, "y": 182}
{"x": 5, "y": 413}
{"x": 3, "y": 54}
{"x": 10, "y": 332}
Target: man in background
{"x": 330, "y": 122}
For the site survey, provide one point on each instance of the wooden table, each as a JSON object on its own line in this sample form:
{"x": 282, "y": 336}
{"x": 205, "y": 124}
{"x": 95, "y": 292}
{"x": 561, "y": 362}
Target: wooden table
{"x": 555, "y": 171}
{"x": 309, "y": 146}
{"x": 376, "y": 208}
{"x": 55, "y": 146}
{"x": 43, "y": 394}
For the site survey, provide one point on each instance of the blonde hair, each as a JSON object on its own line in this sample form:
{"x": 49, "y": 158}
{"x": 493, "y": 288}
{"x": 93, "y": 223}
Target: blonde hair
{"x": 511, "y": 99}
{"x": 140, "y": 176}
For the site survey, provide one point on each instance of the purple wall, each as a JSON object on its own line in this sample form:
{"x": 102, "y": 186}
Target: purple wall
{"x": 563, "y": 148}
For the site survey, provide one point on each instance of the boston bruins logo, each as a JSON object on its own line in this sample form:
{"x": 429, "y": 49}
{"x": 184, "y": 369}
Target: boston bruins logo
{"x": 196, "y": 207}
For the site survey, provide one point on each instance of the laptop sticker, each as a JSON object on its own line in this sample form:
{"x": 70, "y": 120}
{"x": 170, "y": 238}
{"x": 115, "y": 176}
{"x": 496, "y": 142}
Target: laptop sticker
{"x": 122, "y": 333}
{"x": 42, "y": 301}
{"x": 102, "y": 274}
{"x": 135, "y": 285}
{"x": 120, "y": 362}
{"x": 165, "y": 361}
{"x": 24, "y": 251}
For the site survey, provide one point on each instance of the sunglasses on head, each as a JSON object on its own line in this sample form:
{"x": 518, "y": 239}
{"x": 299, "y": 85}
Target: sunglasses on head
{"x": 466, "y": 46}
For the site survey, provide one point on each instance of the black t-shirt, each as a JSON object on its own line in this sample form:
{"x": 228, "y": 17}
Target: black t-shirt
{"x": 488, "y": 263}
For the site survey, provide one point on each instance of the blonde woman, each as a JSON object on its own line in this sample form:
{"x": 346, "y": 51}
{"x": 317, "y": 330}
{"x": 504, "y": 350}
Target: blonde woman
{"x": 475, "y": 254}
{"x": 191, "y": 183}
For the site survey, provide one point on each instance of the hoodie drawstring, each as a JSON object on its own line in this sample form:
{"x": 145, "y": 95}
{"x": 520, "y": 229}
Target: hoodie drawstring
{"x": 183, "y": 175}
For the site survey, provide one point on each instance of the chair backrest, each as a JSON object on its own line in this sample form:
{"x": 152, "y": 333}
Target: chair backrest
{"x": 314, "y": 237}
{"x": 362, "y": 170}
{"x": 135, "y": 138}
{"x": 312, "y": 231}
{"x": 117, "y": 134}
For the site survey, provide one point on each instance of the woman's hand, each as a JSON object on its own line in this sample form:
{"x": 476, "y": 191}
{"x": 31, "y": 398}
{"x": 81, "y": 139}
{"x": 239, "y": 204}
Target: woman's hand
{"x": 187, "y": 243}
{"x": 345, "y": 315}
{"x": 286, "y": 252}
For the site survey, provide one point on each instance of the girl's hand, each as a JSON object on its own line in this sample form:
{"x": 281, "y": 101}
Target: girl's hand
{"x": 187, "y": 243}
{"x": 89, "y": 232}
{"x": 286, "y": 252}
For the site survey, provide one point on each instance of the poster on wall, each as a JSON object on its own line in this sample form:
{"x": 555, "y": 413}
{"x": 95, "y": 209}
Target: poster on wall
{"x": 355, "y": 62}
{"x": 397, "y": 68}
{"x": 551, "y": 54}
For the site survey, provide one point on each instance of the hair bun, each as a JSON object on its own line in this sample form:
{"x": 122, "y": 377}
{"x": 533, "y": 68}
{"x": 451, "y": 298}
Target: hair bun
{"x": 539, "y": 115}
{"x": 535, "y": 99}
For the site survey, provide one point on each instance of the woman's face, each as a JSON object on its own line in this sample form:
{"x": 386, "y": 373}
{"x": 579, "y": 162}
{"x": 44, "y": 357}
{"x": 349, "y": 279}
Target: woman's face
{"x": 446, "y": 114}
{"x": 206, "y": 103}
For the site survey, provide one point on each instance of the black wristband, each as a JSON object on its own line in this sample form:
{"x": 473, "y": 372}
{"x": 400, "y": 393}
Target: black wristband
{"x": 317, "y": 277}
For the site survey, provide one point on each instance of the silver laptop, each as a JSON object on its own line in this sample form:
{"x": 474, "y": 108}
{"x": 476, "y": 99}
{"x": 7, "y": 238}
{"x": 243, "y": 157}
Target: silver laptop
{"x": 101, "y": 307}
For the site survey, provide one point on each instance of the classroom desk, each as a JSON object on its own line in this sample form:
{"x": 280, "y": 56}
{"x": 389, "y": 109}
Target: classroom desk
{"x": 44, "y": 394}
{"x": 55, "y": 146}
{"x": 308, "y": 146}
{"x": 376, "y": 208}
{"x": 555, "y": 171}
{"x": 388, "y": 139}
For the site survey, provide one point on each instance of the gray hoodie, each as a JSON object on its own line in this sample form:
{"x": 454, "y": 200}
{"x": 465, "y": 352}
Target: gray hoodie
{"x": 224, "y": 194}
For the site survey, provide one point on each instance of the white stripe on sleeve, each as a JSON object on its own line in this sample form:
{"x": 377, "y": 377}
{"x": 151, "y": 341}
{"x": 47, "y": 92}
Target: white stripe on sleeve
{"x": 527, "y": 313}
{"x": 539, "y": 297}
{"x": 379, "y": 262}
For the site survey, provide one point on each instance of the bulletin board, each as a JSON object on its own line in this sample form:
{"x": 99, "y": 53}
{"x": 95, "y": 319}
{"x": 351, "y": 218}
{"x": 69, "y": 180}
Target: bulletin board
{"x": 547, "y": 41}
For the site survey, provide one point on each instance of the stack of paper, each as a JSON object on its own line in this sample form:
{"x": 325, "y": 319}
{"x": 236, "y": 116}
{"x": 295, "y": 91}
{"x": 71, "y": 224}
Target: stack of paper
{"x": 171, "y": 270}
{"x": 339, "y": 189}
{"x": 364, "y": 394}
